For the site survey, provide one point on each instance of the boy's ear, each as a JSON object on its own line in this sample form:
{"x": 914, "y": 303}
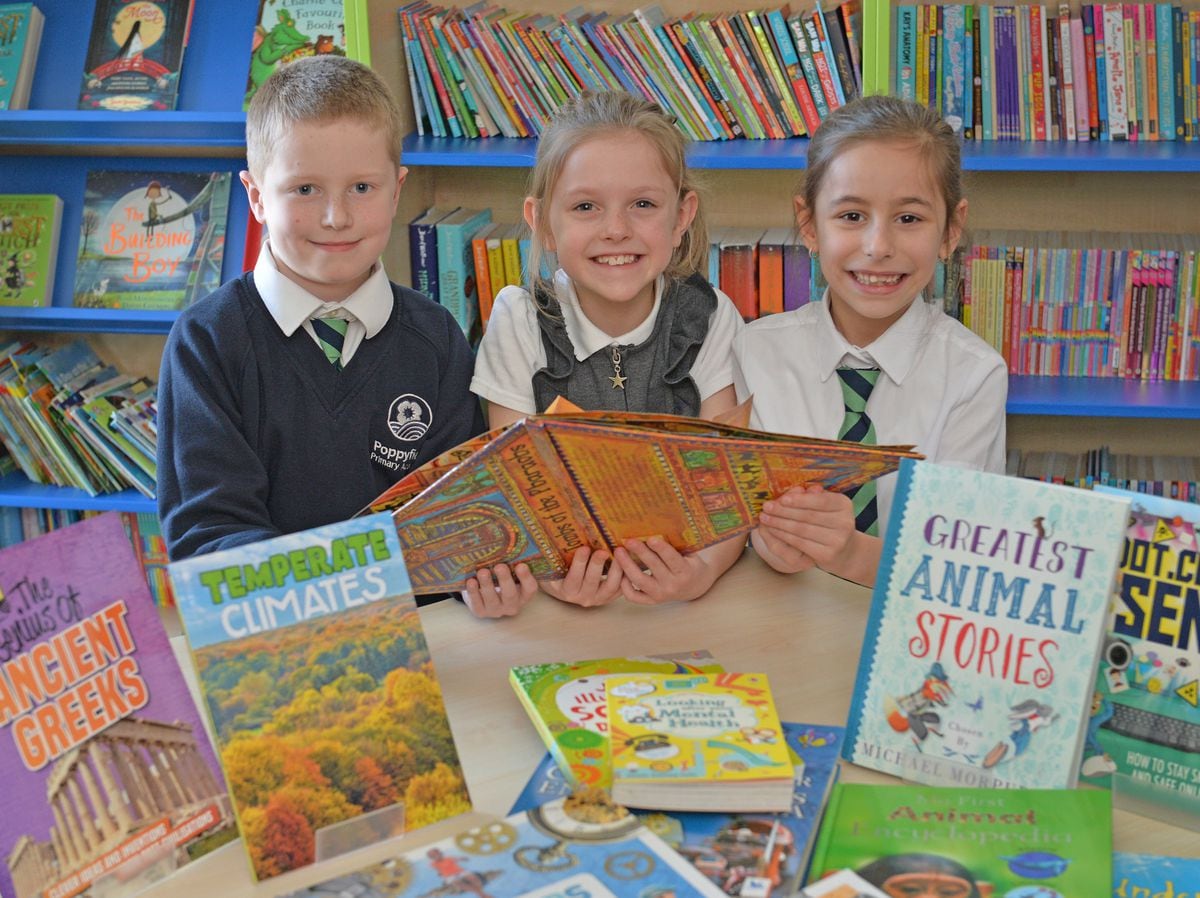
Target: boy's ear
{"x": 804, "y": 223}
{"x": 954, "y": 228}
{"x": 688, "y": 207}
{"x": 530, "y": 213}
{"x": 254, "y": 195}
{"x": 401, "y": 174}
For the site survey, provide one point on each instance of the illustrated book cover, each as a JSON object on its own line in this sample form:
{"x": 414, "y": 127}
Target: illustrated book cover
{"x": 21, "y": 27}
{"x": 985, "y": 629}
{"x": 566, "y": 703}
{"x": 320, "y": 688}
{"x": 1143, "y": 737}
{"x": 746, "y": 854}
{"x": 30, "y": 225}
{"x": 969, "y": 842}
{"x": 580, "y": 846}
{"x": 549, "y": 484}
{"x": 1154, "y": 876}
{"x": 697, "y": 742}
{"x": 134, "y": 55}
{"x": 151, "y": 240}
{"x": 110, "y": 782}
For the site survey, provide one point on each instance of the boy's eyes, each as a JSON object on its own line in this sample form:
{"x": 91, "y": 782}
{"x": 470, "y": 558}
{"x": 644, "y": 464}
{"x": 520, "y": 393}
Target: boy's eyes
{"x": 305, "y": 190}
{"x": 362, "y": 187}
{"x": 584, "y": 207}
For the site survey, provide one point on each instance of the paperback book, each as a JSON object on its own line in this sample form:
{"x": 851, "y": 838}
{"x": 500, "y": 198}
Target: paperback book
{"x": 969, "y": 842}
{"x": 20, "y": 38}
{"x": 985, "y": 629}
{"x": 321, "y": 691}
{"x": 135, "y": 54}
{"x": 29, "y": 230}
{"x": 1154, "y": 876}
{"x": 110, "y": 782}
{"x": 151, "y": 240}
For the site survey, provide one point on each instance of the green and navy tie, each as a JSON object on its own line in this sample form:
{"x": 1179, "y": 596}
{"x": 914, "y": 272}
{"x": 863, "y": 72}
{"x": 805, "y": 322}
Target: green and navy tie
{"x": 857, "y": 384}
{"x": 331, "y": 335}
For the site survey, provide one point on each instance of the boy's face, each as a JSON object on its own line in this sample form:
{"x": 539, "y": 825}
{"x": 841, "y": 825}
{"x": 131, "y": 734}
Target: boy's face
{"x": 327, "y": 196}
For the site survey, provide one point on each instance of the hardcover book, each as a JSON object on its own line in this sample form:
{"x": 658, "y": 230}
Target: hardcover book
{"x": 913, "y": 840}
{"x": 321, "y": 691}
{"x": 134, "y": 55}
{"x": 549, "y": 484}
{"x": 110, "y": 782}
{"x": 985, "y": 629}
{"x": 284, "y": 32}
{"x": 455, "y": 263}
{"x": 697, "y": 742}
{"x": 29, "y": 232}
{"x": 20, "y": 38}
{"x": 1154, "y": 876}
{"x": 151, "y": 240}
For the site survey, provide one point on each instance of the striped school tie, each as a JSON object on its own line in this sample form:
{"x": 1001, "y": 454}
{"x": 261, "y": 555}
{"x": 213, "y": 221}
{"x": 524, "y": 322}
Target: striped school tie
{"x": 857, "y": 384}
{"x": 331, "y": 334}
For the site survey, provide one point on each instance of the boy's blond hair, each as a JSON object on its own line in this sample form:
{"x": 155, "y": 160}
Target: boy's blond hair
{"x": 321, "y": 89}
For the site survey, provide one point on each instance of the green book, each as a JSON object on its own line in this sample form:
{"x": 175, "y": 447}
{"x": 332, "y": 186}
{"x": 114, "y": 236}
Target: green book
{"x": 29, "y": 228}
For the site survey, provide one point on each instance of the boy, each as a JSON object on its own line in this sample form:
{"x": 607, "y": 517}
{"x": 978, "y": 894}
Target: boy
{"x": 292, "y": 396}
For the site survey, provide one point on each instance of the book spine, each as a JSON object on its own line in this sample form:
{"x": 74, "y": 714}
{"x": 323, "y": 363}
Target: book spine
{"x": 758, "y": 76}
{"x": 794, "y": 73}
{"x": 1037, "y": 79}
{"x": 770, "y": 278}
{"x": 1091, "y": 72}
{"x": 839, "y": 53}
{"x": 808, "y": 65}
{"x": 1071, "y": 107}
{"x": 782, "y": 86}
{"x": 812, "y": 32}
{"x": 906, "y": 58}
{"x": 1166, "y": 71}
{"x": 722, "y": 114}
{"x": 851, "y": 19}
{"x": 1134, "y": 72}
{"x": 713, "y": 47}
{"x": 1056, "y": 101}
{"x": 954, "y": 76}
{"x": 483, "y": 278}
{"x": 423, "y": 258}
{"x": 1149, "y": 51}
{"x": 449, "y": 112}
{"x": 694, "y": 40}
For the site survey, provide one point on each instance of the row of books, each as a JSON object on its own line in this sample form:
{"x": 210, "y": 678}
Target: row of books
{"x": 1084, "y": 304}
{"x": 1109, "y": 71}
{"x": 21, "y": 27}
{"x": 1169, "y": 476}
{"x": 68, "y": 419}
{"x": 487, "y": 72}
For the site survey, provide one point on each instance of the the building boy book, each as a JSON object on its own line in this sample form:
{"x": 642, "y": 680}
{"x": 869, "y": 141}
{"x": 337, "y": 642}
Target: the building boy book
{"x": 985, "y": 628}
{"x": 110, "y": 782}
{"x": 579, "y": 846}
{"x": 746, "y": 854}
{"x": 552, "y": 483}
{"x": 1154, "y": 876}
{"x": 30, "y": 225}
{"x": 321, "y": 691}
{"x": 134, "y": 55}
{"x": 697, "y": 742}
{"x": 1143, "y": 737}
{"x": 566, "y": 703}
{"x": 970, "y": 842}
{"x": 151, "y": 240}
{"x": 20, "y": 37}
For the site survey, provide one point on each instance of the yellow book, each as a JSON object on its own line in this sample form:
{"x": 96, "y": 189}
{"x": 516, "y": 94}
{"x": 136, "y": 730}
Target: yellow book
{"x": 495, "y": 256}
{"x": 699, "y": 742}
{"x": 511, "y": 248}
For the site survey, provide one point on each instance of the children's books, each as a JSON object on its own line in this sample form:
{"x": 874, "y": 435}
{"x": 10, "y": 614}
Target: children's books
{"x": 319, "y": 686}
{"x": 985, "y": 628}
{"x": 1154, "y": 876}
{"x": 842, "y": 884}
{"x": 151, "y": 240}
{"x": 29, "y": 232}
{"x": 456, "y": 268}
{"x": 110, "y": 782}
{"x": 746, "y": 854}
{"x": 1143, "y": 737}
{"x": 697, "y": 742}
{"x": 135, "y": 54}
{"x": 20, "y": 37}
{"x": 566, "y": 702}
{"x": 549, "y": 484}
{"x": 905, "y": 840}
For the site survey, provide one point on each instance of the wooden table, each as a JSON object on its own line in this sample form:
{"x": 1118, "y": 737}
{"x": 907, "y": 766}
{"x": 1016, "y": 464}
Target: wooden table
{"x": 804, "y": 631}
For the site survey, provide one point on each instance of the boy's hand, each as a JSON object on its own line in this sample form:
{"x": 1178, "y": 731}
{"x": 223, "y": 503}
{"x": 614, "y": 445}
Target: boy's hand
{"x": 494, "y": 593}
{"x": 593, "y": 579}
{"x": 811, "y": 526}
{"x": 656, "y": 572}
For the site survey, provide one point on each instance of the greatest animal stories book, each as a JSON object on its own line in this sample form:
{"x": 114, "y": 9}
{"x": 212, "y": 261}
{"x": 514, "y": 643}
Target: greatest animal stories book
{"x": 985, "y": 628}
{"x": 110, "y": 782}
{"x": 538, "y": 490}
{"x": 151, "y": 240}
{"x": 321, "y": 691}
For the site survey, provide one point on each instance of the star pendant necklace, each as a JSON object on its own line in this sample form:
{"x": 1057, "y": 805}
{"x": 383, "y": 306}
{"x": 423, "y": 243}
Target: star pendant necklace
{"x": 618, "y": 379}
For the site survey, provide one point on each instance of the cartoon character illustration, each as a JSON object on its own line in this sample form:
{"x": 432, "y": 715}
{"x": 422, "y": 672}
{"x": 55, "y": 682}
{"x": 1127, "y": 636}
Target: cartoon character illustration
{"x": 1097, "y": 761}
{"x": 912, "y": 712}
{"x": 156, "y": 195}
{"x": 917, "y": 875}
{"x": 456, "y": 879}
{"x": 284, "y": 39}
{"x": 1025, "y": 719}
{"x": 14, "y": 277}
{"x": 740, "y": 850}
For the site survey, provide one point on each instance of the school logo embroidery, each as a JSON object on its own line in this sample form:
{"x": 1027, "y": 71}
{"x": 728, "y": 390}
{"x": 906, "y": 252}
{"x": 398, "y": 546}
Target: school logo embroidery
{"x": 409, "y": 418}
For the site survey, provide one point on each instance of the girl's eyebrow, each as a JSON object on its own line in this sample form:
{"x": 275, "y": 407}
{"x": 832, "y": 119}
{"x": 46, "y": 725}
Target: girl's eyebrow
{"x": 901, "y": 201}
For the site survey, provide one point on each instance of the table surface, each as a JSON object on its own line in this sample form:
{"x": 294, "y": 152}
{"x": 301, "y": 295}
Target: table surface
{"x": 804, "y": 631}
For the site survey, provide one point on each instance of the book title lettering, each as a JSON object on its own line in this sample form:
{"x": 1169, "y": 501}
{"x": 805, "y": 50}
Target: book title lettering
{"x": 22, "y": 231}
{"x": 550, "y": 504}
{"x": 145, "y": 251}
{"x": 1160, "y": 595}
{"x": 10, "y": 25}
{"x": 970, "y": 824}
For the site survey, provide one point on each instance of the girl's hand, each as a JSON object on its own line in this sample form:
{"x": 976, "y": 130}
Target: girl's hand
{"x": 810, "y": 526}
{"x": 655, "y": 572}
{"x": 494, "y": 593}
{"x": 591, "y": 580}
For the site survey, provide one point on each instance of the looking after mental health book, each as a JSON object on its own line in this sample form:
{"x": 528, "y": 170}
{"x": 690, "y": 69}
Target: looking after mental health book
{"x": 985, "y": 627}
{"x": 321, "y": 691}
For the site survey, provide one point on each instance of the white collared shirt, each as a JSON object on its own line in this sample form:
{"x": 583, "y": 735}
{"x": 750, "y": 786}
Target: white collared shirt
{"x": 941, "y": 388}
{"x": 367, "y": 309}
{"x": 512, "y": 349}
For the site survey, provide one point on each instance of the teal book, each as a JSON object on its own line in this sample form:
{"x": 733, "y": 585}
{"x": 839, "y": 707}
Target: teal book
{"x": 456, "y": 265}
{"x": 968, "y": 843}
{"x": 985, "y": 629}
{"x": 1154, "y": 876}
{"x": 20, "y": 37}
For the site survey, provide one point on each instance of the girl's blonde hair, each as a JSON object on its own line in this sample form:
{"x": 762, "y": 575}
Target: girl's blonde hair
{"x": 599, "y": 114}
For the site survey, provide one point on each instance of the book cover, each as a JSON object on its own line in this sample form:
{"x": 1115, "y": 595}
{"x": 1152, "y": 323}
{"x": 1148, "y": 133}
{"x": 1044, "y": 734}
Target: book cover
{"x": 970, "y": 842}
{"x": 134, "y": 55}
{"x": 29, "y": 230}
{"x": 697, "y": 742}
{"x": 20, "y": 38}
{"x": 422, "y": 249}
{"x": 566, "y": 702}
{"x": 1153, "y": 876}
{"x": 151, "y": 240}
{"x": 321, "y": 691}
{"x": 845, "y": 883}
{"x": 578, "y": 846}
{"x": 549, "y": 484}
{"x": 985, "y": 629}
{"x": 110, "y": 782}
{"x": 287, "y": 32}
{"x": 456, "y": 268}
{"x": 739, "y": 269}
{"x": 744, "y": 854}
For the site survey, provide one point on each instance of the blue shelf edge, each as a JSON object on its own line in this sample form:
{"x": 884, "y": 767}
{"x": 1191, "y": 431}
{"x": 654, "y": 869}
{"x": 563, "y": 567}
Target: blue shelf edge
{"x": 1102, "y": 397}
{"x": 92, "y": 321}
{"x": 70, "y": 128}
{"x": 17, "y": 491}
